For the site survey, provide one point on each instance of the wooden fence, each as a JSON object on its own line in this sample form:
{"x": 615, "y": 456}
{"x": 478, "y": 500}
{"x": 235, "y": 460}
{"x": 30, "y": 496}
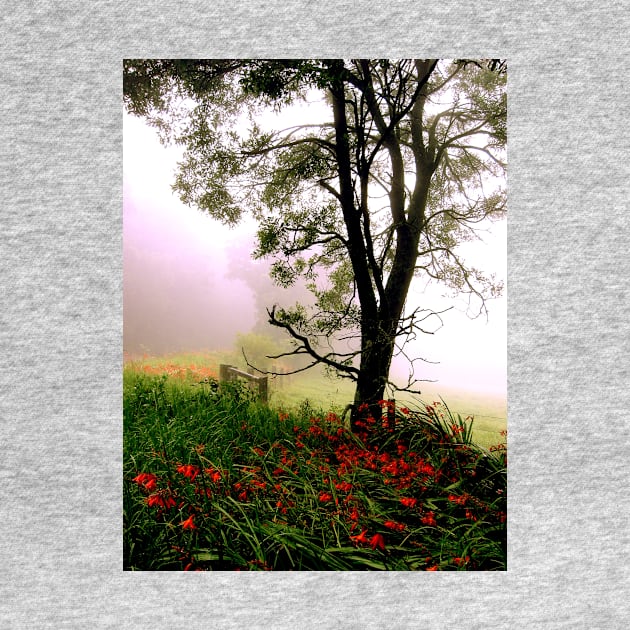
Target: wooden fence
{"x": 229, "y": 373}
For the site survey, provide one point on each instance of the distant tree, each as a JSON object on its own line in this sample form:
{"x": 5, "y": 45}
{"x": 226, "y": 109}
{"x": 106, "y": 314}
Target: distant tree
{"x": 410, "y": 159}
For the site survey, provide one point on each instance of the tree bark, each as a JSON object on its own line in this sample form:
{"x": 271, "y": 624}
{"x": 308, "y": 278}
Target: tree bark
{"x": 380, "y": 320}
{"x": 376, "y": 356}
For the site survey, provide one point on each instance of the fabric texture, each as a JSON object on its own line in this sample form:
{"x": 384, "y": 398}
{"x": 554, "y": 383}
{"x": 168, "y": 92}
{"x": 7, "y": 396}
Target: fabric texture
{"x": 61, "y": 316}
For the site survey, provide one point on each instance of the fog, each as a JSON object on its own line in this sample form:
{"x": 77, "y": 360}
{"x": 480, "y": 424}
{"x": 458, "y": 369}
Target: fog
{"x": 190, "y": 283}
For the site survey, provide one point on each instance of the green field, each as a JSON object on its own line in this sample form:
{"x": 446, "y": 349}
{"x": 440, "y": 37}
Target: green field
{"x": 316, "y": 390}
{"x": 489, "y": 413}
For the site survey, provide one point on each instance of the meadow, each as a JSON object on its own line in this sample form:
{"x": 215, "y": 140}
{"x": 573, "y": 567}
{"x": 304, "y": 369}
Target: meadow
{"x": 215, "y": 480}
{"x": 314, "y": 389}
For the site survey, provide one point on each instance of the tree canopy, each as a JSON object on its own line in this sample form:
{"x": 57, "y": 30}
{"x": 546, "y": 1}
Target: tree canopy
{"x": 406, "y": 161}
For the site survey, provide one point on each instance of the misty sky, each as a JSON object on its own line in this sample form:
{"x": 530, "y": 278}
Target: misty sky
{"x": 181, "y": 292}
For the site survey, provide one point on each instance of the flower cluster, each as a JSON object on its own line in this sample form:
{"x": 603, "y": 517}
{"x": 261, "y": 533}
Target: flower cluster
{"x": 389, "y": 495}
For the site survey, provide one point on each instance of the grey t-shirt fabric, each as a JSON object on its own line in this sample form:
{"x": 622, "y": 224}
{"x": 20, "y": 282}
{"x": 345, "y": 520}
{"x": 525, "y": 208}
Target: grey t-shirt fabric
{"x": 61, "y": 319}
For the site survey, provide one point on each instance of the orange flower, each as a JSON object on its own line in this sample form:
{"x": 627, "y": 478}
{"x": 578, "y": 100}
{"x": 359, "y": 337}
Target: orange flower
{"x": 324, "y": 497}
{"x": 188, "y": 523}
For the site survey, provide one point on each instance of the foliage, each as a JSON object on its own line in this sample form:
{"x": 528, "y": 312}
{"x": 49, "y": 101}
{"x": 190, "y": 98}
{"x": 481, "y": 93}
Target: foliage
{"x": 407, "y": 162}
{"x": 214, "y": 481}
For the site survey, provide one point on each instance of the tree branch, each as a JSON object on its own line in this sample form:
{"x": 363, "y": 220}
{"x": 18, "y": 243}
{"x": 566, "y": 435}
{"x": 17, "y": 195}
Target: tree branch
{"x": 307, "y": 348}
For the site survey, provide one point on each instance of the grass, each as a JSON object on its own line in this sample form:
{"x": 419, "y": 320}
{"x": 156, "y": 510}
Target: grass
{"x": 315, "y": 390}
{"x": 214, "y": 480}
{"x": 489, "y": 412}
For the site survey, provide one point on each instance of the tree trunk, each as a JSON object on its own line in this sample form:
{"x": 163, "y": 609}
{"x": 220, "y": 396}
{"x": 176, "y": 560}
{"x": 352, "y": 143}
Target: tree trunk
{"x": 379, "y": 334}
{"x": 379, "y": 320}
{"x": 376, "y": 358}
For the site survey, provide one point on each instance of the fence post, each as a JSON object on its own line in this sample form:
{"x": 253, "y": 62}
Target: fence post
{"x": 263, "y": 389}
{"x": 230, "y": 373}
{"x": 224, "y": 373}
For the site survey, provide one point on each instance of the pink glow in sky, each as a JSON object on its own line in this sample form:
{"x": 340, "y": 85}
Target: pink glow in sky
{"x": 178, "y": 293}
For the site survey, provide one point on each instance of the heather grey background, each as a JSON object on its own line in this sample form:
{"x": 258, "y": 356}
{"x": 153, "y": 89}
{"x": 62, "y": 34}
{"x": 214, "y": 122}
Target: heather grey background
{"x": 61, "y": 315}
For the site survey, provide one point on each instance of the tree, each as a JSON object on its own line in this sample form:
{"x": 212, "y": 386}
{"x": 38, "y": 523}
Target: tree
{"x": 410, "y": 159}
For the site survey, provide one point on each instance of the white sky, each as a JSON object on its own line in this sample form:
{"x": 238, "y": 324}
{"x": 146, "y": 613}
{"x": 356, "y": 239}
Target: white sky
{"x": 471, "y": 353}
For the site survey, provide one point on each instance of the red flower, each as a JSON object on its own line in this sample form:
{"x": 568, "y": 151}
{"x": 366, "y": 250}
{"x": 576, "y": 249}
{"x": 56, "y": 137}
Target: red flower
{"x": 161, "y": 501}
{"x": 148, "y": 481}
{"x": 141, "y": 478}
{"x": 429, "y": 519}
{"x": 409, "y": 502}
{"x": 344, "y": 486}
{"x": 361, "y": 538}
{"x": 324, "y": 496}
{"x": 188, "y": 523}
{"x": 398, "y": 527}
{"x": 461, "y": 561}
{"x": 155, "y": 499}
{"x": 460, "y": 500}
{"x": 378, "y": 541}
{"x": 189, "y": 471}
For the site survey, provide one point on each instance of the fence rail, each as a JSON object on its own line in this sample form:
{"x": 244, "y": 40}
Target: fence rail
{"x": 229, "y": 373}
